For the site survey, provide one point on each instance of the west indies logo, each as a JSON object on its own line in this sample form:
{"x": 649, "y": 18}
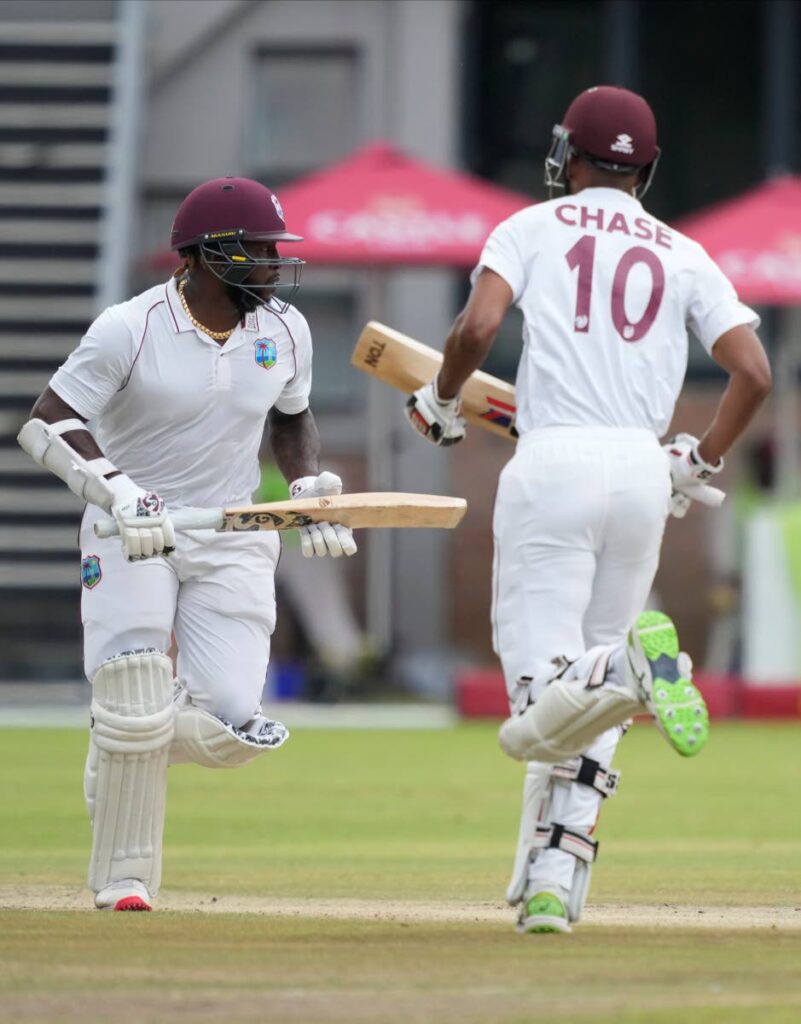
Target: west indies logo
{"x": 265, "y": 353}
{"x": 91, "y": 574}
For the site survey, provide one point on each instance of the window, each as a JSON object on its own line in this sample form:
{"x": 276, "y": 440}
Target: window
{"x": 305, "y": 111}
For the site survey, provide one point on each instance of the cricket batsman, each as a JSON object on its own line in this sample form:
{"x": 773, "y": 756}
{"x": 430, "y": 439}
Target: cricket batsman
{"x": 607, "y": 294}
{"x": 178, "y": 383}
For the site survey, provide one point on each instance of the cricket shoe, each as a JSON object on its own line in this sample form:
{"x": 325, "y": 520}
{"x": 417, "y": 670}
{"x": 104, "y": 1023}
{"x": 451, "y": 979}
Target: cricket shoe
{"x": 127, "y": 894}
{"x": 663, "y": 674}
{"x": 543, "y": 912}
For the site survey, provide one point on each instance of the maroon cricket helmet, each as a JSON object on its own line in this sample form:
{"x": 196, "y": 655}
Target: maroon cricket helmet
{"x": 229, "y": 209}
{"x": 612, "y": 127}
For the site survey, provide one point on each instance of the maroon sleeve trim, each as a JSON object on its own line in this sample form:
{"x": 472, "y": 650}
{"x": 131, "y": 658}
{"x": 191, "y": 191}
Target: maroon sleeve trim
{"x": 291, "y": 338}
{"x": 127, "y": 380}
{"x": 169, "y": 305}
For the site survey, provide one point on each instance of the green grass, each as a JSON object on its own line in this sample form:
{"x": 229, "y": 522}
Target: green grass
{"x": 408, "y": 816}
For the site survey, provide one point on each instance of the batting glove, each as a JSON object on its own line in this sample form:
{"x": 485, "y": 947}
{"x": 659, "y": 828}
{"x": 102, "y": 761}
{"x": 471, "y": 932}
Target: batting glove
{"x": 145, "y": 526}
{"x": 322, "y": 539}
{"x": 438, "y": 419}
{"x": 689, "y": 473}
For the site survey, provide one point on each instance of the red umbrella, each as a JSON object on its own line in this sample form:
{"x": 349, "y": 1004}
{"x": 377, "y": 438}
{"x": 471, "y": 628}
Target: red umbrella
{"x": 380, "y": 207}
{"x": 756, "y": 241}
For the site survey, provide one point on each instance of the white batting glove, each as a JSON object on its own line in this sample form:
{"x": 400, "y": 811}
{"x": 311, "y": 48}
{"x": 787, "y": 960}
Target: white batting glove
{"x": 145, "y": 526}
{"x": 322, "y": 539}
{"x": 438, "y": 419}
{"x": 689, "y": 474}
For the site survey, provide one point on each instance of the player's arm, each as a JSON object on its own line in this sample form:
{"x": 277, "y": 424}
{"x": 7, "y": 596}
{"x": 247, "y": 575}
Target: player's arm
{"x": 56, "y": 437}
{"x": 740, "y": 353}
{"x": 473, "y": 332}
{"x": 295, "y": 442}
{"x": 50, "y": 409}
{"x": 433, "y": 410}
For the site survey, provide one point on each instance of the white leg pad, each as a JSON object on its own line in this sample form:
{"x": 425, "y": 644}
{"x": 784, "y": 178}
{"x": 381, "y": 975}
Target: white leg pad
{"x": 571, "y": 713}
{"x": 577, "y": 896}
{"x": 202, "y": 738}
{"x": 126, "y": 770}
{"x": 538, "y": 832}
{"x": 536, "y": 791}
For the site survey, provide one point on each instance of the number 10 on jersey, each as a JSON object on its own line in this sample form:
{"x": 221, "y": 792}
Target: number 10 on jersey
{"x": 582, "y": 258}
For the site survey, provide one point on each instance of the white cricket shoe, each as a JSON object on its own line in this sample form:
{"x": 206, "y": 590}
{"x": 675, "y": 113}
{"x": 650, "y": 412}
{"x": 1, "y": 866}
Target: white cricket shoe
{"x": 127, "y": 894}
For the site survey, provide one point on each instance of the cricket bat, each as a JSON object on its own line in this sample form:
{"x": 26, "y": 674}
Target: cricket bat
{"x": 407, "y": 364}
{"x": 487, "y": 401}
{"x": 371, "y": 509}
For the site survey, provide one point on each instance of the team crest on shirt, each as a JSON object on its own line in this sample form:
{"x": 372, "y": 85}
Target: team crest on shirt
{"x": 266, "y": 354}
{"x": 91, "y": 573}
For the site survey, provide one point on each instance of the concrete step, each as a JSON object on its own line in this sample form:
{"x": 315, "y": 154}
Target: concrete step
{"x": 61, "y": 575}
{"x": 50, "y": 231}
{"x": 52, "y": 154}
{"x": 45, "y": 73}
{"x": 51, "y": 115}
{"x": 15, "y": 460}
{"x": 18, "y": 383}
{"x": 45, "y": 347}
{"x": 35, "y": 501}
{"x": 38, "y": 538}
{"x": 47, "y": 307}
{"x": 57, "y": 33}
{"x": 46, "y": 193}
{"x": 11, "y": 421}
{"x": 33, "y": 271}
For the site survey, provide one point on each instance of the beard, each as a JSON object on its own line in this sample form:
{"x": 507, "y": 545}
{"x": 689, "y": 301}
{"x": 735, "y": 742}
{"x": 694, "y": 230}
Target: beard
{"x": 244, "y": 301}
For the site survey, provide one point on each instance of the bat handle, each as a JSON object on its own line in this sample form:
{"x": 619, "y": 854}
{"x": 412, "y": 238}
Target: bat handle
{"x": 712, "y": 497}
{"x": 182, "y": 519}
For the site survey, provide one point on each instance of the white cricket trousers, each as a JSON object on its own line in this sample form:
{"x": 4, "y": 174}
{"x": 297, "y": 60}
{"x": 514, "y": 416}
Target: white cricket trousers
{"x": 578, "y": 525}
{"x": 216, "y": 592}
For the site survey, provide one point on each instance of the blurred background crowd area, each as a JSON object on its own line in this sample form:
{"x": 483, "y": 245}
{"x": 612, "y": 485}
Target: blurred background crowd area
{"x": 110, "y": 112}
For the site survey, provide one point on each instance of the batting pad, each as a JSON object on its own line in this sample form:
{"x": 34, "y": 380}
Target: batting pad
{"x": 571, "y": 713}
{"x": 204, "y": 739}
{"x": 126, "y": 771}
{"x": 536, "y": 791}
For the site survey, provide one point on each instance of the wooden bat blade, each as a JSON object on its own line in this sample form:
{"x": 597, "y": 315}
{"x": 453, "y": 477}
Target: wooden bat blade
{"x": 358, "y": 511}
{"x": 371, "y": 509}
{"x": 406, "y": 364}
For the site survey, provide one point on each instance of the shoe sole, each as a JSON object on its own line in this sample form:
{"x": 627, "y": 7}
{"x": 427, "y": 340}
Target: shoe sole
{"x": 542, "y": 925}
{"x": 132, "y": 903}
{"x": 676, "y": 704}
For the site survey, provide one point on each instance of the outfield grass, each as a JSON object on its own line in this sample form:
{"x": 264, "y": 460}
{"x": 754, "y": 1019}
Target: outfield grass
{"x": 410, "y": 816}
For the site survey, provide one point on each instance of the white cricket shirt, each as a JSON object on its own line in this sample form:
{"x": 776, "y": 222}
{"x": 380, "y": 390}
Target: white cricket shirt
{"x": 607, "y": 294}
{"x": 179, "y": 413}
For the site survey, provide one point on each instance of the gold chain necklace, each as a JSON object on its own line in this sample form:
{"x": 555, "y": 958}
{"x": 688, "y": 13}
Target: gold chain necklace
{"x": 216, "y": 335}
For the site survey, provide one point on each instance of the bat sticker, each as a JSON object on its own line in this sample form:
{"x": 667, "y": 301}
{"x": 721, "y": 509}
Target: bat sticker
{"x": 502, "y": 413}
{"x": 249, "y": 521}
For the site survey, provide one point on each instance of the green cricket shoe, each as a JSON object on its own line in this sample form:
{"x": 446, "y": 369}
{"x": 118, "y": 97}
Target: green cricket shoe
{"x": 663, "y": 674}
{"x": 543, "y": 913}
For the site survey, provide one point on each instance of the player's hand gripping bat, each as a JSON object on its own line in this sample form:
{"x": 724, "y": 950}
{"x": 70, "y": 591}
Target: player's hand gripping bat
{"x": 372, "y": 509}
{"x": 406, "y": 364}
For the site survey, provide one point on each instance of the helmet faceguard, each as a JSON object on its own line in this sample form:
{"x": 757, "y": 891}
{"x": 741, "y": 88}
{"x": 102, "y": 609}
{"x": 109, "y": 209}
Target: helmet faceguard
{"x": 204, "y": 220}
{"x": 561, "y": 150}
{"x": 556, "y": 160}
{"x": 226, "y": 255}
